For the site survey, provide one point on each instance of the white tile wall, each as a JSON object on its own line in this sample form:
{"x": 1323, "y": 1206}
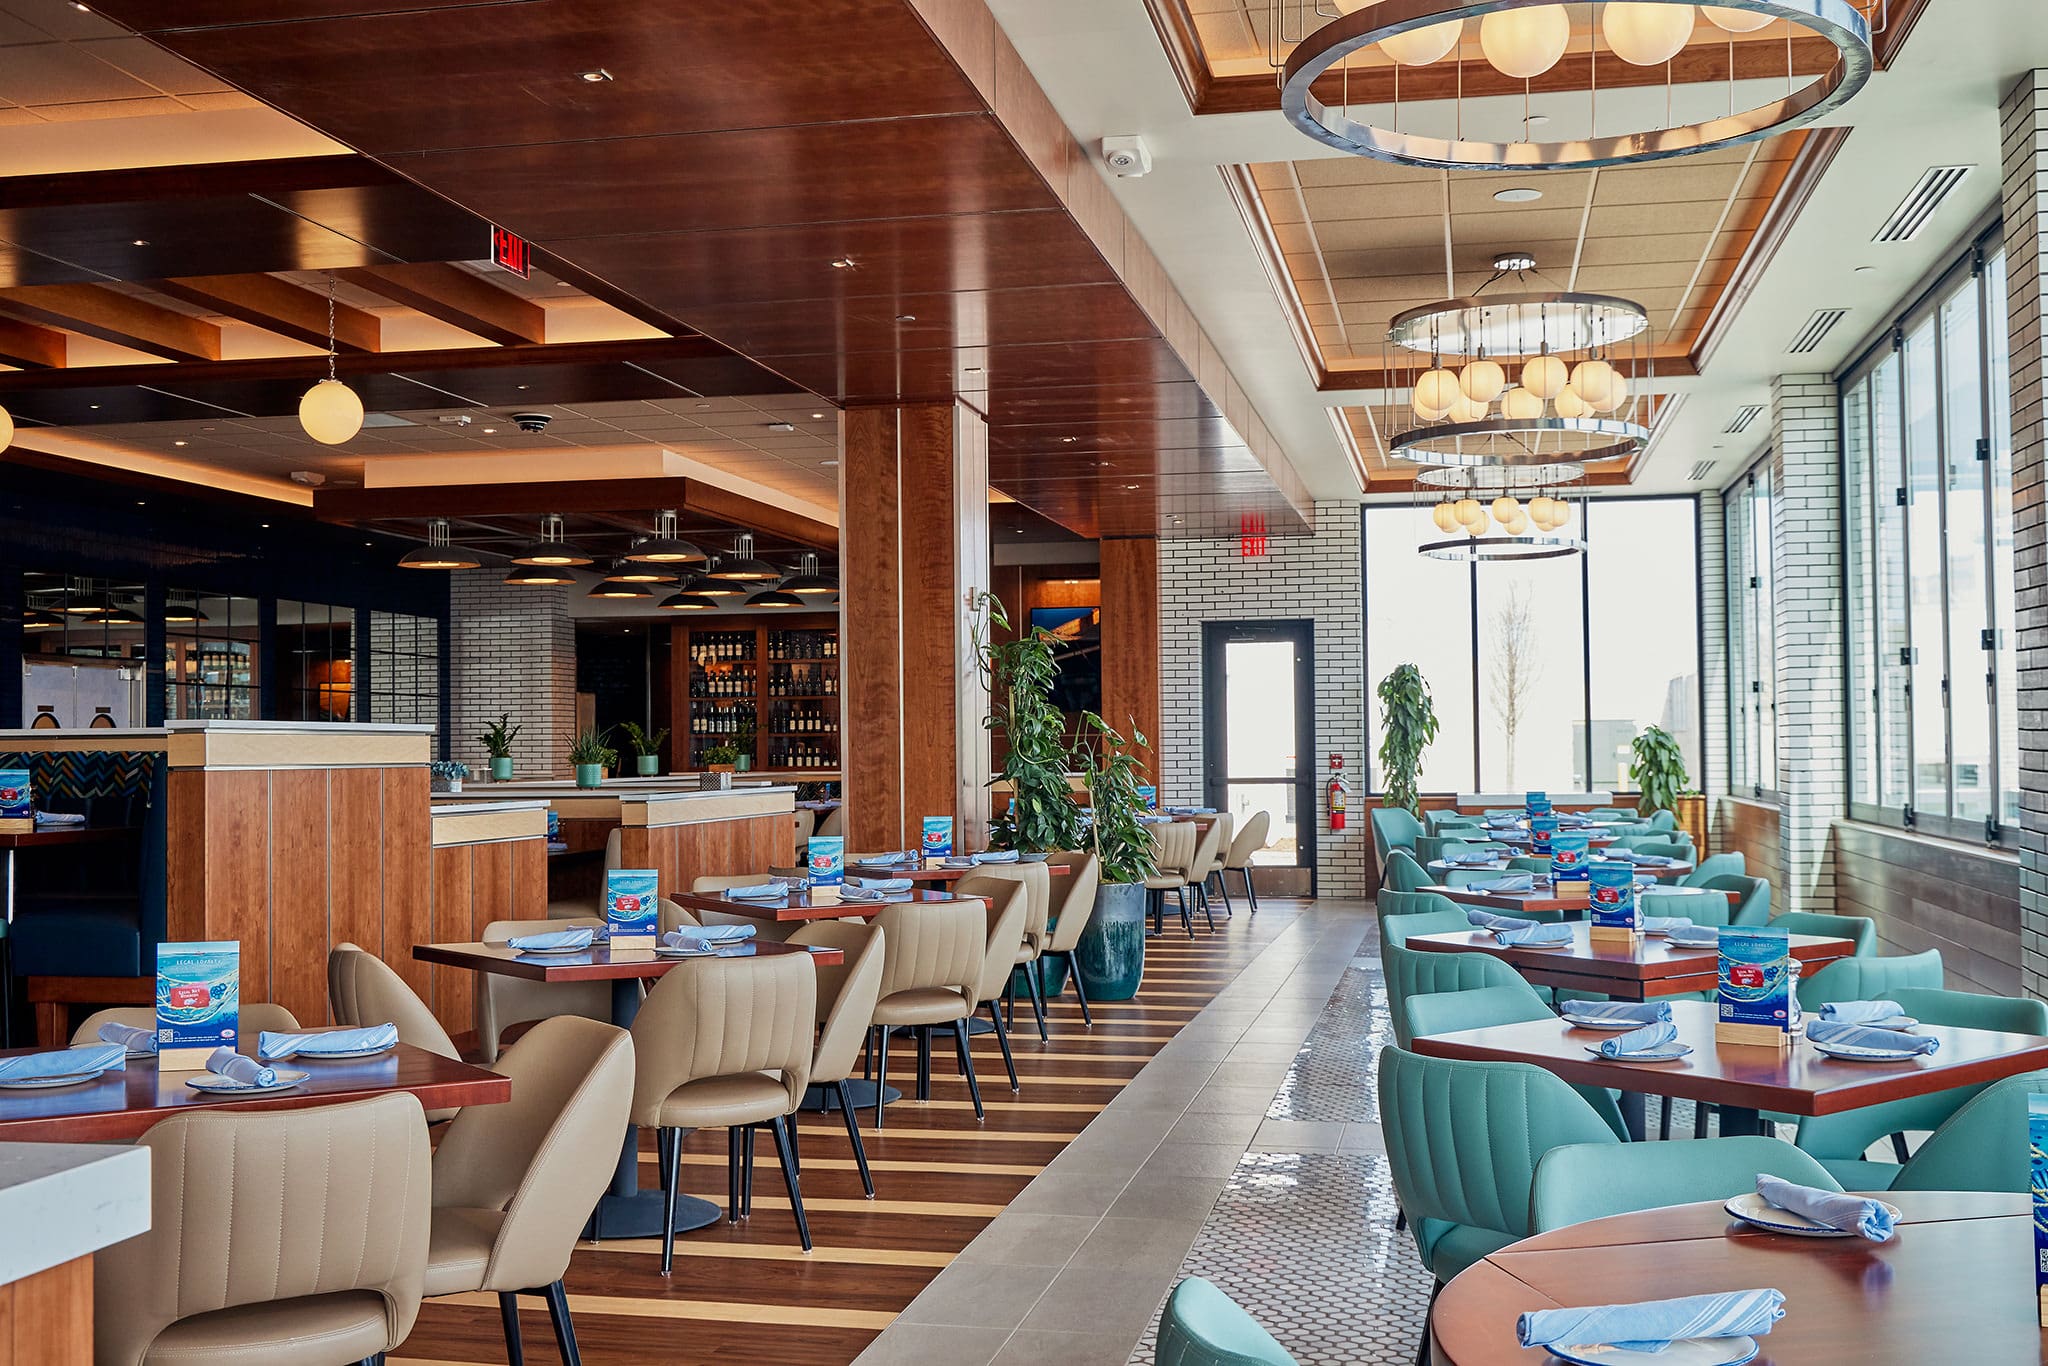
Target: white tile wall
{"x": 1319, "y": 577}
{"x": 511, "y": 650}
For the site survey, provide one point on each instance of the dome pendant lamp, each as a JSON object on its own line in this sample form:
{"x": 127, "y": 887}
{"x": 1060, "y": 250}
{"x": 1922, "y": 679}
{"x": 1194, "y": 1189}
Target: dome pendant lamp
{"x": 663, "y": 547}
{"x": 330, "y": 411}
{"x": 549, "y": 551}
{"x": 437, "y": 553}
{"x": 743, "y": 567}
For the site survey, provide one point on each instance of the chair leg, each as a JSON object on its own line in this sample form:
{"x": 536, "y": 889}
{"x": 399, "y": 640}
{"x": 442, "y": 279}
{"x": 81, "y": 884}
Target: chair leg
{"x": 1156, "y": 903}
{"x": 1251, "y": 893}
{"x": 1422, "y": 1349}
{"x": 747, "y": 1146}
{"x": 1080, "y": 992}
{"x": 565, "y": 1328}
{"x": 794, "y": 1150}
{"x": 1223, "y": 886}
{"x": 1202, "y": 895}
{"x": 967, "y": 1065}
{"x": 867, "y": 1057}
{"x": 508, "y": 1310}
{"x": 784, "y": 1149}
{"x": 1187, "y": 921}
{"x": 674, "y": 1139}
{"x": 1899, "y": 1148}
{"x": 860, "y": 1154}
{"x": 924, "y": 1062}
{"x": 1400, "y": 1221}
{"x": 1664, "y": 1120}
{"x": 1700, "y": 1111}
{"x": 881, "y": 1071}
{"x": 732, "y": 1175}
{"x": 1036, "y": 985}
{"x": 1010, "y": 1001}
{"x": 1003, "y": 1042}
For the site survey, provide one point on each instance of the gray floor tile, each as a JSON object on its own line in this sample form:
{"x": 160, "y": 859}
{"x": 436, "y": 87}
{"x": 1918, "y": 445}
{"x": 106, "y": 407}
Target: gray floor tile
{"x": 1194, "y": 1159}
{"x": 981, "y": 1295}
{"x": 1215, "y": 1128}
{"x": 1361, "y": 1137}
{"x": 1167, "y": 1194}
{"x": 1078, "y": 1192}
{"x": 1032, "y": 1347}
{"x": 1030, "y": 1239}
{"x": 1215, "y": 1099}
{"x": 1108, "y": 1304}
{"x": 930, "y": 1344}
{"x": 1299, "y": 1136}
{"x": 1132, "y": 1245}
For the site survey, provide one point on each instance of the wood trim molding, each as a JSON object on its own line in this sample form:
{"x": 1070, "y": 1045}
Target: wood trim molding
{"x": 313, "y": 747}
{"x": 489, "y": 824}
{"x": 1183, "y": 44}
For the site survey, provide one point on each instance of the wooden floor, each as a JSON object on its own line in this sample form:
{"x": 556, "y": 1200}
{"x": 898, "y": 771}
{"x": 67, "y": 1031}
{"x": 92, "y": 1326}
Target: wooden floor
{"x": 747, "y": 1292}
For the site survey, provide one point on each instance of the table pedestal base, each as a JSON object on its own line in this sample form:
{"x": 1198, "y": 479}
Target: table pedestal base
{"x": 639, "y": 1215}
{"x": 859, "y": 1094}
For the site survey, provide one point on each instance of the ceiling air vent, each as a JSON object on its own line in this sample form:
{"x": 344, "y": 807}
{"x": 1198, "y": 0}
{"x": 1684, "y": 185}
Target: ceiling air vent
{"x": 1746, "y": 414}
{"x": 1701, "y": 470}
{"x": 1920, "y": 203}
{"x": 1816, "y": 330}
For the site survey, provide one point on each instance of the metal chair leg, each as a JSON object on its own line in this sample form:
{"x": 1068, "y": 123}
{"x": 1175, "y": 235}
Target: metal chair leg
{"x": 733, "y": 1179}
{"x": 674, "y": 1139}
{"x": 1080, "y": 992}
{"x": 564, "y": 1326}
{"x": 1251, "y": 893}
{"x": 508, "y": 1310}
{"x": 924, "y": 1062}
{"x": 1700, "y": 1111}
{"x": 881, "y": 1072}
{"x": 1003, "y": 1042}
{"x": 1187, "y": 921}
{"x": 787, "y": 1152}
{"x": 747, "y": 1145}
{"x": 1900, "y": 1150}
{"x": 1223, "y": 886}
{"x": 1036, "y": 986}
{"x": 1664, "y": 1120}
{"x": 1202, "y": 895}
{"x": 860, "y": 1153}
{"x": 967, "y": 1065}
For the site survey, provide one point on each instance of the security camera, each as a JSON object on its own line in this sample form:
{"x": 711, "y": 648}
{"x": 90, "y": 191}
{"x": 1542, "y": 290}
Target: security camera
{"x": 1126, "y": 155}
{"x": 532, "y": 422}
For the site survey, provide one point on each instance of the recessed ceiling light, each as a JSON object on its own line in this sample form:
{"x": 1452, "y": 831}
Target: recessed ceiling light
{"x": 1130, "y": 486}
{"x": 264, "y": 525}
{"x": 1069, "y": 440}
{"x": 138, "y": 502}
{"x": 139, "y": 242}
{"x": 82, "y": 9}
{"x": 842, "y": 263}
{"x": 1865, "y": 270}
{"x": 177, "y": 443}
{"x": 490, "y": 431}
{"x": 594, "y": 77}
{"x": 93, "y": 406}
{"x": 817, "y": 417}
{"x": 906, "y": 317}
{"x": 1520, "y": 194}
{"x": 973, "y": 370}
{"x": 828, "y": 464}
{"x": 782, "y": 426}
{"x": 523, "y": 388}
{"x": 368, "y": 543}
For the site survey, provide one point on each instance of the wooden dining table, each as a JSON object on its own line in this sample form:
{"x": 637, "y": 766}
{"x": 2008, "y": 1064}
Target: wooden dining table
{"x": 1663, "y": 872}
{"x": 939, "y": 876}
{"x": 1650, "y": 967}
{"x": 803, "y": 903}
{"x": 1955, "y": 1283}
{"x": 1547, "y": 899}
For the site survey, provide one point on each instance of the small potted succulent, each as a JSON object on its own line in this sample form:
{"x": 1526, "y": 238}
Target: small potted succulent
{"x": 591, "y": 757}
{"x": 646, "y": 748}
{"x": 445, "y": 775}
{"x": 722, "y": 758}
{"x": 497, "y": 742}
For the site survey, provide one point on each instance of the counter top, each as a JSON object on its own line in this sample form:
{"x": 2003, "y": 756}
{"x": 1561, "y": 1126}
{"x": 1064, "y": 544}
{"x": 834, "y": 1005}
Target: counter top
{"x": 60, "y": 1201}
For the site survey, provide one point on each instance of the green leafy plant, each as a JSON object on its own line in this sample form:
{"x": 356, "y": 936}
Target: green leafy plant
{"x": 1019, "y": 675}
{"x": 447, "y": 769}
{"x": 590, "y": 748}
{"x": 1658, "y": 771}
{"x": 1407, "y": 726}
{"x": 643, "y": 742}
{"x": 498, "y": 736}
{"x": 722, "y": 754}
{"x": 1112, "y": 772}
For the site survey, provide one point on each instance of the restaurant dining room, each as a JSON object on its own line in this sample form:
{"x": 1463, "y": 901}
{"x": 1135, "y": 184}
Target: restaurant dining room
{"x": 1207, "y": 682}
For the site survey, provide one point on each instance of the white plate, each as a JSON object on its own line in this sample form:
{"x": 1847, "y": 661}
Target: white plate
{"x": 1754, "y": 1209}
{"x": 220, "y": 1086}
{"x": 1685, "y": 1352}
{"x": 1904, "y": 1024}
{"x": 1848, "y": 1053}
{"x": 1670, "y": 1052}
{"x": 665, "y": 951}
{"x": 1617, "y": 1025}
{"x": 305, "y": 1055}
{"x": 1541, "y": 948}
{"x": 50, "y": 1083}
{"x": 543, "y": 953}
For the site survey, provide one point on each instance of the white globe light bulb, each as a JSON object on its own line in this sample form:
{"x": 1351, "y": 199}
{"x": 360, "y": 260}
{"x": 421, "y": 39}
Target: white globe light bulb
{"x": 1525, "y": 43}
{"x": 330, "y": 412}
{"x": 1568, "y": 404}
{"x": 1420, "y": 47}
{"x": 1617, "y": 394}
{"x": 1643, "y": 34}
{"x": 1521, "y": 406}
{"x": 1466, "y": 410}
{"x": 1515, "y": 525}
{"x": 1436, "y": 390}
{"x": 6, "y": 429}
{"x": 1506, "y": 508}
{"x": 1445, "y": 515}
{"x": 1482, "y": 380}
{"x": 1734, "y": 20}
{"x": 1424, "y": 411}
{"x": 1468, "y": 511}
{"x": 1591, "y": 379}
{"x": 1545, "y": 376}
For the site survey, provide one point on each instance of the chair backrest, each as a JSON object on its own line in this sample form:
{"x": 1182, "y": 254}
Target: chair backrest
{"x": 260, "y": 1206}
{"x": 544, "y": 1157}
{"x": 803, "y": 824}
{"x": 1393, "y": 828}
{"x": 1753, "y": 906}
{"x": 1417, "y": 972}
{"x": 1663, "y": 818}
{"x": 833, "y": 822}
{"x": 937, "y": 944}
{"x": 674, "y": 917}
{"x": 1869, "y": 979}
{"x": 1032, "y": 877}
{"x": 1448, "y": 1012}
{"x": 847, "y": 992}
{"x": 256, "y": 1018}
{"x": 1003, "y": 923}
{"x": 1173, "y": 843}
{"x": 501, "y": 1002}
{"x": 1225, "y": 824}
{"x": 1073, "y": 898}
{"x": 767, "y": 929}
{"x": 1208, "y": 840}
{"x": 1982, "y": 1147}
{"x": 720, "y": 1017}
{"x": 1715, "y": 865}
{"x": 1970, "y": 1010}
{"x": 1678, "y": 848}
{"x": 1434, "y": 913}
{"x": 612, "y": 857}
{"x": 1710, "y": 908}
{"x": 362, "y": 989}
{"x": 1248, "y": 841}
{"x": 1202, "y": 1326}
{"x": 1576, "y": 1183}
{"x": 1403, "y": 874}
{"x": 1859, "y": 930}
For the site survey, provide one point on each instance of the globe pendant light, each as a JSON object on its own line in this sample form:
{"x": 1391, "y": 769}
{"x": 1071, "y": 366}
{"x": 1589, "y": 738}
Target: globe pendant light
{"x": 1482, "y": 380}
{"x": 807, "y": 581}
{"x": 1524, "y": 43}
{"x": 6, "y": 429}
{"x": 1545, "y": 376}
{"x": 663, "y": 547}
{"x": 688, "y": 602}
{"x": 1734, "y": 20}
{"x": 1445, "y": 515}
{"x": 549, "y": 551}
{"x": 743, "y": 567}
{"x": 437, "y": 553}
{"x": 1569, "y": 405}
{"x": 1467, "y": 410}
{"x": 330, "y": 412}
{"x": 1591, "y": 381}
{"x": 1520, "y": 405}
{"x": 774, "y": 597}
{"x": 625, "y": 571}
{"x": 1645, "y": 34}
{"x": 1421, "y": 46}
{"x": 1435, "y": 392}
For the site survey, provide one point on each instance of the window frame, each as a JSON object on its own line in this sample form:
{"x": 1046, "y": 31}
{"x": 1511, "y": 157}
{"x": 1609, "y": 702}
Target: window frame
{"x": 1750, "y": 641}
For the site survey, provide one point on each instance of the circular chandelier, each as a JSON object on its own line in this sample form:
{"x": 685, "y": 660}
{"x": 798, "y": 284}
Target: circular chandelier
{"x": 1506, "y": 513}
{"x": 1520, "y": 40}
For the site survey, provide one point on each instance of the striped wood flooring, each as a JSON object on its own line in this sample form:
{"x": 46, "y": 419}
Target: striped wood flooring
{"x": 747, "y": 1292}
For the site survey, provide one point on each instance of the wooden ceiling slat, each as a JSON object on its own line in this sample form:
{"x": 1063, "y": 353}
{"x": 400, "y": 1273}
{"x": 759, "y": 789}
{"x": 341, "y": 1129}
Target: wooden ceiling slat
{"x": 113, "y": 316}
{"x": 279, "y": 306}
{"x": 32, "y": 347}
{"x": 457, "y": 297}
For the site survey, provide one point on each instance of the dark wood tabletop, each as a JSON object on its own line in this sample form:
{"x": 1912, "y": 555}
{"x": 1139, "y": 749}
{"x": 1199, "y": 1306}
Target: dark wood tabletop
{"x": 937, "y": 876}
{"x": 597, "y": 963}
{"x": 1956, "y": 1283}
{"x": 1799, "y": 1081}
{"x": 1662, "y": 872}
{"x": 1544, "y": 899}
{"x": 803, "y": 905}
{"x": 1654, "y": 966}
{"x": 46, "y": 835}
{"x": 122, "y": 1106}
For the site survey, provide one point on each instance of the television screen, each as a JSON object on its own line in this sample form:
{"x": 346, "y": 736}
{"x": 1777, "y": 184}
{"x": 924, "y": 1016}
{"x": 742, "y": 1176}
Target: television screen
{"x": 1079, "y": 632}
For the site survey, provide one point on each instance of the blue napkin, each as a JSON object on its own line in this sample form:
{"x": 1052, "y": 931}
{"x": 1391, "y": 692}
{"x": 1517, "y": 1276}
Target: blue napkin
{"x": 997, "y": 856}
{"x": 1639, "y": 1040}
{"x": 131, "y": 1039}
{"x": 1655, "y": 1324}
{"x": 855, "y": 892}
{"x": 893, "y": 856}
{"x": 1646, "y": 860}
{"x": 1697, "y": 937}
{"x": 60, "y": 818}
{"x": 1487, "y": 920}
{"x": 1664, "y": 924}
{"x": 1513, "y": 882}
{"x": 711, "y": 934}
{"x": 1180, "y": 810}
{"x": 757, "y": 891}
{"x": 579, "y": 938}
{"x": 282, "y": 1045}
{"x": 1535, "y": 935}
{"x": 1849, "y": 1213}
{"x": 881, "y": 884}
{"x": 1472, "y": 858}
{"x": 66, "y": 1062}
{"x": 226, "y": 1062}
{"x": 1639, "y": 1012}
{"x": 1502, "y": 822}
{"x": 1863, "y": 1036}
{"x": 1862, "y": 1012}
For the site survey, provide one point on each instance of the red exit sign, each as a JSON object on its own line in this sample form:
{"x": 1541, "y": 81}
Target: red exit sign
{"x": 509, "y": 252}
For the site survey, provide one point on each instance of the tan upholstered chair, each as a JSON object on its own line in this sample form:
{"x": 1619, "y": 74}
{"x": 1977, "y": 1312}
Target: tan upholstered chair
{"x": 1037, "y": 884}
{"x": 276, "y": 1238}
{"x": 256, "y": 1018}
{"x": 501, "y": 1002}
{"x": 1173, "y": 852}
{"x": 515, "y": 1183}
{"x": 1243, "y": 845}
{"x": 612, "y": 857}
{"x": 803, "y": 824}
{"x": 933, "y": 974}
{"x": 1073, "y": 903}
{"x": 847, "y": 993}
{"x": 1226, "y": 825}
{"x": 362, "y": 989}
{"x": 674, "y": 917}
{"x": 1208, "y": 841}
{"x": 764, "y": 927}
{"x": 725, "y": 1043}
{"x": 833, "y": 822}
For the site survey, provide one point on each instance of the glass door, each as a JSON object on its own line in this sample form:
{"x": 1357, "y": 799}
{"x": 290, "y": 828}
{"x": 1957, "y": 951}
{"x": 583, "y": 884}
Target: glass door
{"x": 1258, "y": 689}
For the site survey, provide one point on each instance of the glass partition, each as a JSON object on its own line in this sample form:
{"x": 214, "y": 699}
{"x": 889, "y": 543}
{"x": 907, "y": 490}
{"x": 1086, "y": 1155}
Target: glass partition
{"x": 83, "y": 661}
{"x": 405, "y": 669}
{"x": 210, "y": 645}
{"x": 315, "y": 662}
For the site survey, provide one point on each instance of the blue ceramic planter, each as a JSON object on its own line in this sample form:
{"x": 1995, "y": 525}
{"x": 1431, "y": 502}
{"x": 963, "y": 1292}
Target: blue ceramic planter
{"x": 1111, "y": 954}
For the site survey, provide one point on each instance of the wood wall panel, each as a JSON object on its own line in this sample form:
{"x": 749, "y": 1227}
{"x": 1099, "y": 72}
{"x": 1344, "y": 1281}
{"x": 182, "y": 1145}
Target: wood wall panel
{"x": 1751, "y": 829}
{"x": 870, "y": 628}
{"x": 301, "y": 928}
{"x": 238, "y": 888}
{"x": 529, "y": 879}
{"x": 46, "y": 1319}
{"x": 1130, "y": 636}
{"x": 185, "y": 858}
{"x": 358, "y": 821}
{"x": 450, "y": 988}
{"x": 1930, "y": 894}
{"x": 408, "y": 836}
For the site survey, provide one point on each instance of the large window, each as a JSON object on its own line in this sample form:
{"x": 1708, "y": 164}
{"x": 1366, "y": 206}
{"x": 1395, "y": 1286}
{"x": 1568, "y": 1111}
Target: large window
{"x": 405, "y": 669}
{"x": 1752, "y": 649}
{"x": 1927, "y": 449}
{"x": 1542, "y": 671}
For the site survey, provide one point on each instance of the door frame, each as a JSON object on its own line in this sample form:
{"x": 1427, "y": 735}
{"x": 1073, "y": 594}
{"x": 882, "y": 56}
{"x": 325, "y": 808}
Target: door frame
{"x": 1216, "y": 635}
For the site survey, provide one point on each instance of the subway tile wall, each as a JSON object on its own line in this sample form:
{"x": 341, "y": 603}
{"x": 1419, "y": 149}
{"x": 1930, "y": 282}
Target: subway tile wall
{"x": 511, "y": 650}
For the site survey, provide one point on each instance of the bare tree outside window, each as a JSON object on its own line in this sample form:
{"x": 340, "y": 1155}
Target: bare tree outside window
{"x": 1516, "y": 663}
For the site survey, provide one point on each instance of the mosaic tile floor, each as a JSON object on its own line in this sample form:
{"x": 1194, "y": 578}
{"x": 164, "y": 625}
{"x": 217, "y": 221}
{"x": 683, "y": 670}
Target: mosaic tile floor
{"x": 1335, "y": 1075}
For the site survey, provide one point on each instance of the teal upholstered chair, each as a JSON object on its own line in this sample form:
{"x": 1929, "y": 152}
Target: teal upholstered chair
{"x": 1753, "y": 906}
{"x": 1418, "y": 972}
{"x": 1202, "y": 1326}
{"x": 1860, "y": 930}
{"x": 1530, "y": 863}
{"x": 1701, "y": 910}
{"x": 1463, "y": 1141}
{"x": 1869, "y": 979}
{"x": 1574, "y": 1184}
{"x": 1428, "y": 849}
{"x": 1610, "y": 813}
{"x": 1716, "y": 865}
{"x": 1982, "y": 1147}
{"x": 1448, "y": 1012}
{"x": 1669, "y": 848}
{"x": 1663, "y": 818}
{"x": 1403, "y": 873}
{"x": 1393, "y": 828}
{"x": 1445, "y": 820}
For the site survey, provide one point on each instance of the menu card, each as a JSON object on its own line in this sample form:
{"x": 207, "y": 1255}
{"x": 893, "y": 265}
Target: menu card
{"x": 17, "y": 802}
{"x": 1542, "y": 832}
{"x": 1612, "y": 910}
{"x": 937, "y": 842}
{"x": 1537, "y": 803}
{"x": 2037, "y": 1167}
{"x": 1755, "y": 999}
{"x": 198, "y": 1002}
{"x": 1570, "y": 858}
{"x": 1149, "y": 795}
{"x": 632, "y": 907}
{"x": 825, "y": 856}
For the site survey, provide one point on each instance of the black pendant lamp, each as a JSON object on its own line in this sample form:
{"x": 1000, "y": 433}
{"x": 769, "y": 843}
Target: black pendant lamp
{"x": 549, "y": 551}
{"x": 663, "y": 547}
{"x": 743, "y": 567}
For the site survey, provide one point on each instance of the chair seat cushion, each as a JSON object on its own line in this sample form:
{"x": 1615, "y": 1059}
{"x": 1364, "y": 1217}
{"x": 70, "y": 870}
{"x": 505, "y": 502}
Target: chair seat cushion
{"x": 921, "y": 1005}
{"x": 1453, "y": 1247}
{"x": 1165, "y": 880}
{"x": 316, "y": 1330}
{"x": 78, "y": 937}
{"x": 713, "y": 1102}
{"x": 1861, "y": 1176}
{"x": 459, "y": 1249}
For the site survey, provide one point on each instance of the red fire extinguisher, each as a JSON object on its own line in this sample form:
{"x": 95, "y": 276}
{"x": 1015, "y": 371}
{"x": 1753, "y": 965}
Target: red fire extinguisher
{"x": 1339, "y": 791}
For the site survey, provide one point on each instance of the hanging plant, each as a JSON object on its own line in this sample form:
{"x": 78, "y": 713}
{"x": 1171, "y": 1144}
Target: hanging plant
{"x": 1019, "y": 675}
{"x": 1407, "y": 726}
{"x": 1658, "y": 771}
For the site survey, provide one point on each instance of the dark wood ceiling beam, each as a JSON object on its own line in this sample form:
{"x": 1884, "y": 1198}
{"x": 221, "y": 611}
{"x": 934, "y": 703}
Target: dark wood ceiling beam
{"x": 458, "y": 298}
{"x": 150, "y": 183}
{"x": 33, "y": 347}
{"x": 110, "y": 315}
{"x": 279, "y": 306}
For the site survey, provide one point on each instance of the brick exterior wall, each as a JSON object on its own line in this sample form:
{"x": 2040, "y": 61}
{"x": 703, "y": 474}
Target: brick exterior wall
{"x": 511, "y": 650}
{"x": 1319, "y": 577}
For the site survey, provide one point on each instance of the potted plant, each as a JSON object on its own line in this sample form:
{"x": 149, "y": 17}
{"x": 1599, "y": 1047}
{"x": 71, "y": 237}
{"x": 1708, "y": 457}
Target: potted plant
{"x": 1407, "y": 725}
{"x": 1111, "y": 950}
{"x": 722, "y": 758}
{"x": 743, "y": 743}
{"x": 497, "y": 742}
{"x": 591, "y": 757}
{"x": 1658, "y": 770}
{"x": 646, "y": 748}
{"x": 445, "y": 775}
{"x": 1019, "y": 674}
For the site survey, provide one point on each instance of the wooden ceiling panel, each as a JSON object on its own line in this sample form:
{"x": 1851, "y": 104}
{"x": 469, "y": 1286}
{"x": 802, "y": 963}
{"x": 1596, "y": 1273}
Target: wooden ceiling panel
{"x": 996, "y": 318}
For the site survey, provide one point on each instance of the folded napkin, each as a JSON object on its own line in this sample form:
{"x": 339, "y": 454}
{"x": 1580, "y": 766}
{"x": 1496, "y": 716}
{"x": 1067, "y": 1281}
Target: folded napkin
{"x": 881, "y": 884}
{"x": 1475, "y": 858}
{"x": 226, "y": 1062}
{"x": 281, "y": 1045}
{"x": 1862, "y": 1012}
{"x": 1499, "y": 822}
{"x": 1863, "y": 1036}
{"x": 1654, "y": 1325}
{"x": 1180, "y": 810}
{"x": 1697, "y": 937}
{"x": 1849, "y": 1213}
{"x": 1639, "y": 1012}
{"x": 60, "y": 818}
{"x": 131, "y": 1039}
{"x": 579, "y": 938}
{"x": 893, "y": 856}
{"x": 66, "y": 1062}
{"x": 1513, "y": 882}
{"x": 1639, "y": 1040}
{"x": 757, "y": 891}
{"x": 1534, "y": 936}
{"x": 703, "y": 935}
{"x": 853, "y": 891}
{"x": 960, "y": 862}
{"x": 1665, "y": 924}
{"x": 1646, "y": 860}
{"x": 997, "y": 856}
{"x": 1487, "y": 920}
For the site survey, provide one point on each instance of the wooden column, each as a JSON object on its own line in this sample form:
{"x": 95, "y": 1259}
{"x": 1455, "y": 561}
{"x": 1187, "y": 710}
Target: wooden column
{"x": 913, "y": 553}
{"x": 1130, "y": 637}
{"x": 47, "y": 1318}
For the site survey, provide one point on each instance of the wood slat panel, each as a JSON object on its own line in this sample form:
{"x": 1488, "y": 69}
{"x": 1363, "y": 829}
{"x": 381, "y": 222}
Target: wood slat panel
{"x": 185, "y": 858}
{"x": 529, "y": 879}
{"x": 1130, "y": 637}
{"x": 300, "y": 938}
{"x": 408, "y": 835}
{"x": 1926, "y": 894}
{"x": 357, "y": 839}
{"x": 237, "y": 885}
{"x": 490, "y": 877}
{"x": 46, "y": 1319}
{"x": 870, "y": 612}
{"x": 451, "y": 988}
